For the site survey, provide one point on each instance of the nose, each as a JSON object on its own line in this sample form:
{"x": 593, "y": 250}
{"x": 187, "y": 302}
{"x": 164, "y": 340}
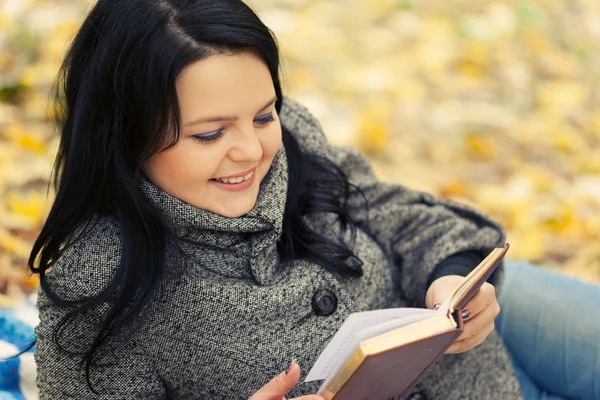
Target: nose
{"x": 246, "y": 146}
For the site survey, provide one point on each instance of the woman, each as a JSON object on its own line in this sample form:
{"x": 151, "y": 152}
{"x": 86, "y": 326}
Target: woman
{"x": 204, "y": 233}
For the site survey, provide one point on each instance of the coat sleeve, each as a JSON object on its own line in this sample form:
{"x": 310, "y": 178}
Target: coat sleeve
{"x": 121, "y": 370}
{"x": 415, "y": 230}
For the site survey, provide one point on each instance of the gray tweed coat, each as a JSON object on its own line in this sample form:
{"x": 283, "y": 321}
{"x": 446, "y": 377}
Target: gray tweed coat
{"x": 228, "y": 316}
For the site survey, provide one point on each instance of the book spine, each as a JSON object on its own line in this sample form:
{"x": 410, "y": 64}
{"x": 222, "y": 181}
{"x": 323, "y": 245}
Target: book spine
{"x": 340, "y": 379}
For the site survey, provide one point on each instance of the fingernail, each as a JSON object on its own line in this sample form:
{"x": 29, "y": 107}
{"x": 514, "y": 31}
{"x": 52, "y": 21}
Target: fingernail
{"x": 289, "y": 366}
{"x": 466, "y": 314}
{"x": 437, "y": 305}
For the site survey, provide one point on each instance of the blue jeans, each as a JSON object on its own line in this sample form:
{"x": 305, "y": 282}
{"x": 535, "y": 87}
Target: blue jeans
{"x": 551, "y": 326}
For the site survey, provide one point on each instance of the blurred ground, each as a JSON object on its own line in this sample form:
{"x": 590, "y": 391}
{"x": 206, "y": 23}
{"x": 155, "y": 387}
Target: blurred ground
{"x": 495, "y": 103}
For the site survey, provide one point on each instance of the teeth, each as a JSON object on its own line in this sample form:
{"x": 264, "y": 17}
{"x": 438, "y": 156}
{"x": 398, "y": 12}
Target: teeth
{"x": 235, "y": 180}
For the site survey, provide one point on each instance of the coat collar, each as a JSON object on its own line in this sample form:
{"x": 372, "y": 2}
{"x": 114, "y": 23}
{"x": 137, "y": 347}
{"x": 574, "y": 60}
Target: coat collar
{"x": 243, "y": 247}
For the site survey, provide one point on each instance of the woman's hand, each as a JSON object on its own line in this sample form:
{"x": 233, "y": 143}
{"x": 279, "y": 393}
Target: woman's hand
{"x": 478, "y": 314}
{"x": 279, "y": 386}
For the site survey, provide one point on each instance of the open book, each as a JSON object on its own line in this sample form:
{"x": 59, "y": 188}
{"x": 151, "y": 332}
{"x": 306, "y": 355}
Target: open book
{"x": 381, "y": 354}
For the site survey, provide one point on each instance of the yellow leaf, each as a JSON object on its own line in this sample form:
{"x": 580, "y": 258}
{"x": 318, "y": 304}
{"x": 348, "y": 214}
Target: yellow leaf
{"x": 19, "y": 135}
{"x": 482, "y": 145}
{"x": 527, "y": 244}
{"x": 31, "y": 204}
{"x": 471, "y": 69}
{"x": 561, "y": 97}
{"x": 14, "y": 245}
{"x": 373, "y": 134}
{"x": 455, "y": 189}
{"x": 5, "y": 301}
{"x": 536, "y": 41}
{"x": 30, "y": 76}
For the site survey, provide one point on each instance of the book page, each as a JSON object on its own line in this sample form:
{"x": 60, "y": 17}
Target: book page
{"x": 372, "y": 332}
{"x": 355, "y": 323}
{"x": 390, "y": 363}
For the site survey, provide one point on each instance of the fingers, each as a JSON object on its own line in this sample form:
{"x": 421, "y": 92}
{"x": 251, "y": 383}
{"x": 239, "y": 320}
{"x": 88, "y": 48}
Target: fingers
{"x": 485, "y": 296}
{"x": 441, "y": 288}
{"x": 478, "y": 323}
{"x": 279, "y": 386}
{"x": 478, "y": 314}
{"x": 461, "y": 346}
{"x": 483, "y": 308}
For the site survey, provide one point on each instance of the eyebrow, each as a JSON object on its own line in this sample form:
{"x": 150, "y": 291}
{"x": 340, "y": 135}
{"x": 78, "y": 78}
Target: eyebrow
{"x": 217, "y": 119}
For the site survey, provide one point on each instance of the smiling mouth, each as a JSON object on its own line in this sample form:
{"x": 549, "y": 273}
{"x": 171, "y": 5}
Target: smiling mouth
{"x": 233, "y": 181}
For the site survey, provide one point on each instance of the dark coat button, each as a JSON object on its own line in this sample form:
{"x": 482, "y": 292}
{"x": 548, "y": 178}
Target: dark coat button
{"x": 324, "y": 302}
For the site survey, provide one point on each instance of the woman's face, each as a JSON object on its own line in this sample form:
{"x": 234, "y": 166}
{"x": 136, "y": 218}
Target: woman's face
{"x": 231, "y": 133}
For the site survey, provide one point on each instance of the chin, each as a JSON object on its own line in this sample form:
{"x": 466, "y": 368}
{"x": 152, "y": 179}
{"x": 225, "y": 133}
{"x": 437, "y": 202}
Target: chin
{"x": 236, "y": 212}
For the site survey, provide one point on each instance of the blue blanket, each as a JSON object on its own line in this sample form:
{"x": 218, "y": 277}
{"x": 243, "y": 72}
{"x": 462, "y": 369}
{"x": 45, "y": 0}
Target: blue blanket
{"x": 17, "y": 375}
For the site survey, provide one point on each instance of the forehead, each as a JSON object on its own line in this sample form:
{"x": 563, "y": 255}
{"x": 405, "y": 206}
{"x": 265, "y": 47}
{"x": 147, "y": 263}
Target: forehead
{"x": 224, "y": 83}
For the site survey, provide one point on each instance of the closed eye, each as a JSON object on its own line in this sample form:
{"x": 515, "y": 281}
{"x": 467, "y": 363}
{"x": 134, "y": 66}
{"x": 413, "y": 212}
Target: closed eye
{"x": 210, "y": 137}
{"x": 264, "y": 120}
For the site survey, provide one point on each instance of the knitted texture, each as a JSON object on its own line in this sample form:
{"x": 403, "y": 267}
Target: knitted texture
{"x": 228, "y": 316}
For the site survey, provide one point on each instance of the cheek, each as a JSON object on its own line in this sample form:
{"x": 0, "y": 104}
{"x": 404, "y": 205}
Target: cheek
{"x": 271, "y": 143}
{"x": 182, "y": 166}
